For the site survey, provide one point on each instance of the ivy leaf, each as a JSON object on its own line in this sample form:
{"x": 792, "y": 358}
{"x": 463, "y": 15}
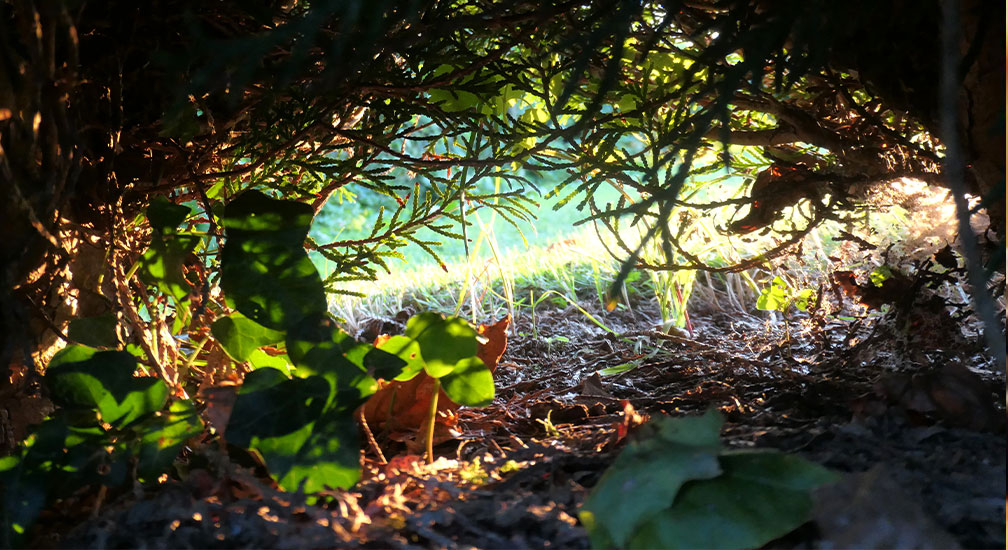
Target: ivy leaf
{"x": 803, "y": 298}
{"x": 81, "y": 377}
{"x": 880, "y": 275}
{"x": 162, "y": 437}
{"x": 98, "y": 331}
{"x": 646, "y": 476}
{"x": 760, "y": 497}
{"x": 288, "y": 423}
{"x": 162, "y": 263}
{"x": 254, "y": 214}
{"x": 265, "y": 270}
{"x": 775, "y": 297}
{"x": 444, "y": 342}
{"x": 240, "y": 336}
{"x": 470, "y": 383}
{"x": 329, "y": 457}
{"x": 270, "y": 281}
{"x": 453, "y": 101}
{"x": 319, "y": 348}
{"x": 259, "y": 359}
{"x": 165, "y": 216}
{"x": 408, "y": 350}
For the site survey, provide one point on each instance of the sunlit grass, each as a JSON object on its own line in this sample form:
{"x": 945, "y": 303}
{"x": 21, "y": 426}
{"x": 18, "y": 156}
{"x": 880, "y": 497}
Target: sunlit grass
{"x": 574, "y": 265}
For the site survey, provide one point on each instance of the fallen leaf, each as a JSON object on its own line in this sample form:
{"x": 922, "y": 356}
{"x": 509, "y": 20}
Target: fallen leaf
{"x": 219, "y": 401}
{"x": 631, "y": 421}
{"x": 592, "y": 387}
{"x": 871, "y": 510}
{"x": 492, "y": 350}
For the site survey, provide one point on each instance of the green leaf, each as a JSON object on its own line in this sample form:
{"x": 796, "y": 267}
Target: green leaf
{"x": 408, "y": 350}
{"x": 329, "y": 457}
{"x": 320, "y": 348}
{"x": 99, "y": 331}
{"x": 162, "y": 263}
{"x": 470, "y": 384}
{"x": 240, "y": 336}
{"x": 272, "y": 282}
{"x": 253, "y": 214}
{"x": 81, "y": 377}
{"x": 259, "y": 359}
{"x": 162, "y": 437}
{"x": 165, "y": 216}
{"x": 802, "y": 299}
{"x": 647, "y": 474}
{"x": 271, "y": 405}
{"x": 775, "y": 297}
{"x": 265, "y": 270}
{"x": 444, "y": 343}
{"x": 880, "y": 274}
{"x": 453, "y": 101}
{"x": 301, "y": 440}
{"x": 760, "y": 497}
{"x": 618, "y": 369}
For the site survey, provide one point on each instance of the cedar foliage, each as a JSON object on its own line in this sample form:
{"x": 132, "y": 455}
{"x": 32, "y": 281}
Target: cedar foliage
{"x": 104, "y": 108}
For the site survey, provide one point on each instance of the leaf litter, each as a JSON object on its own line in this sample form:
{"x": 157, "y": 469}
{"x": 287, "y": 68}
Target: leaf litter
{"x": 917, "y": 468}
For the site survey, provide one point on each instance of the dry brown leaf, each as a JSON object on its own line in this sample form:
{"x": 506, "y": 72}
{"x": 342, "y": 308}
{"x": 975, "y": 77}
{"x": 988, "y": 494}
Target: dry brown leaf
{"x": 492, "y": 350}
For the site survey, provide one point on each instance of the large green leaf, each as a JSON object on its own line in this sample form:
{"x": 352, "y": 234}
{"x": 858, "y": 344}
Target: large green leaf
{"x": 318, "y": 347}
{"x": 98, "y": 331}
{"x": 444, "y": 343}
{"x": 328, "y": 457}
{"x": 408, "y": 350}
{"x": 81, "y": 377}
{"x": 165, "y": 216}
{"x": 760, "y": 497}
{"x": 162, "y": 263}
{"x": 253, "y": 214}
{"x": 271, "y": 281}
{"x": 162, "y": 437}
{"x": 260, "y": 359}
{"x": 647, "y": 474}
{"x": 56, "y": 460}
{"x": 301, "y": 440}
{"x": 271, "y": 405}
{"x": 265, "y": 270}
{"x": 240, "y": 336}
{"x": 470, "y": 384}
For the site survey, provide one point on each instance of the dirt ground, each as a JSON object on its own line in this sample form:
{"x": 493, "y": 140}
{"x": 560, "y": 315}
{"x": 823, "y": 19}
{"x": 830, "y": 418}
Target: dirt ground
{"x": 910, "y": 422}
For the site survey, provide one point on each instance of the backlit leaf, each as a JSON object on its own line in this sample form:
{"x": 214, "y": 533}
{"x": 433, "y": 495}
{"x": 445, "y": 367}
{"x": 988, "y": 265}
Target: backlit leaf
{"x": 240, "y": 336}
{"x": 470, "y": 384}
{"x": 165, "y": 216}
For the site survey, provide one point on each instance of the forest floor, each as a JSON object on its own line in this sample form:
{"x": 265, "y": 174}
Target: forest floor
{"x": 922, "y": 447}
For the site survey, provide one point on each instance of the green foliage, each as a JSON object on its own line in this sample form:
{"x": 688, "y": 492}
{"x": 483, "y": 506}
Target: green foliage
{"x": 444, "y": 348}
{"x": 302, "y": 426}
{"x": 780, "y": 296}
{"x": 674, "y": 487}
{"x": 296, "y": 425}
{"x": 265, "y": 270}
{"x": 79, "y": 377}
{"x": 880, "y": 275}
{"x": 98, "y": 331}
{"x": 110, "y": 426}
{"x": 241, "y": 336}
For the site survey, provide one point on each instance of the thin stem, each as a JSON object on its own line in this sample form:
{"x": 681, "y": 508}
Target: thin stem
{"x": 431, "y": 416}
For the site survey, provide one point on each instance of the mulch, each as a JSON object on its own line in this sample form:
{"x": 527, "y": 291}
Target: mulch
{"x": 919, "y": 435}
